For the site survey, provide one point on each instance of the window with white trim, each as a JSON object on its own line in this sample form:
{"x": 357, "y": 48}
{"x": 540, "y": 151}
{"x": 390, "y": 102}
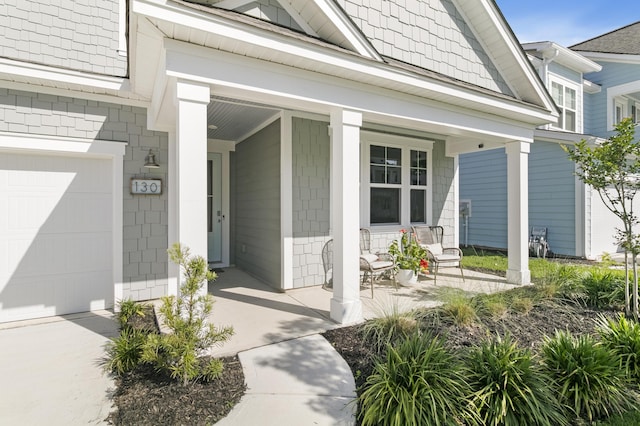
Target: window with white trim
{"x": 635, "y": 112}
{"x": 566, "y": 99}
{"x": 396, "y": 188}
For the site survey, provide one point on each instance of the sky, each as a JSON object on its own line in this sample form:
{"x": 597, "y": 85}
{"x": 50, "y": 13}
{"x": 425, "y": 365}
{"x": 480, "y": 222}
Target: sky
{"x": 567, "y": 22}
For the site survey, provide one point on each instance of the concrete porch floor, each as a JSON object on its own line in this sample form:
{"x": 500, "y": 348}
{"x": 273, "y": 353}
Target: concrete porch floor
{"x": 261, "y": 315}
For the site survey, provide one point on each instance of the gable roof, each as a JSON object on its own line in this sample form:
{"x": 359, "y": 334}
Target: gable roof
{"x": 625, "y": 41}
{"x": 327, "y": 21}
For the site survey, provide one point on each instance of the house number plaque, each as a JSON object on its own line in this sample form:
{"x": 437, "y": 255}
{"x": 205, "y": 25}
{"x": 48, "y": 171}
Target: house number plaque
{"x": 146, "y": 186}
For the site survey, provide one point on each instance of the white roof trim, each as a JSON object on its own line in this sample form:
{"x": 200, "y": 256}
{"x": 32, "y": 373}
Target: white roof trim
{"x": 27, "y": 69}
{"x": 611, "y": 57}
{"x": 564, "y": 56}
{"x": 486, "y": 10}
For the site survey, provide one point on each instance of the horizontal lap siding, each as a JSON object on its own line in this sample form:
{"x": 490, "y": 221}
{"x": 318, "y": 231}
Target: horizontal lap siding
{"x": 552, "y": 202}
{"x": 483, "y": 180}
{"x": 612, "y": 75}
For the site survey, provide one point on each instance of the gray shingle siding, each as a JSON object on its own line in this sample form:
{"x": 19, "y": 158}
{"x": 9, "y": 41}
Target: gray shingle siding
{"x": 144, "y": 217}
{"x": 444, "y": 195}
{"x": 79, "y": 34}
{"x": 257, "y": 205}
{"x": 311, "y": 199}
{"x": 429, "y": 34}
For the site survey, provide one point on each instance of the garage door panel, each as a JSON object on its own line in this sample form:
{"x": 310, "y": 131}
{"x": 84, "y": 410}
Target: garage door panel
{"x": 31, "y": 297}
{"x": 56, "y": 234}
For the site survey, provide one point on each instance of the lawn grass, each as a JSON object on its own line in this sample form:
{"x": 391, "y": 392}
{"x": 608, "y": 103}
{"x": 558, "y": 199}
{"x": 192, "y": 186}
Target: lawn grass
{"x": 497, "y": 262}
{"x": 626, "y": 419}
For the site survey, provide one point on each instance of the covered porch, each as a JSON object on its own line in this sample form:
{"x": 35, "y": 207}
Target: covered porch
{"x": 261, "y": 315}
{"x": 216, "y": 72}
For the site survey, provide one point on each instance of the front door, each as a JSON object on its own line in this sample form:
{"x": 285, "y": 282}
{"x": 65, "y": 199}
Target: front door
{"x": 214, "y": 207}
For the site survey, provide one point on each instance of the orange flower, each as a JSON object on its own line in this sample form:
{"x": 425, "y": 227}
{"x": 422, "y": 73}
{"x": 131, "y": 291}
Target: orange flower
{"x": 424, "y": 264}
{"x": 403, "y": 231}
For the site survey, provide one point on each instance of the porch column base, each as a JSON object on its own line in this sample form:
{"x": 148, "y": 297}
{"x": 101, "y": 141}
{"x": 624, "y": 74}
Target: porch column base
{"x": 346, "y": 311}
{"x": 518, "y": 277}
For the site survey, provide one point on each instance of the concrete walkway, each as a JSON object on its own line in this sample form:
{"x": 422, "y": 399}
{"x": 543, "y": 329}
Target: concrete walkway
{"x": 51, "y": 373}
{"x": 297, "y": 382}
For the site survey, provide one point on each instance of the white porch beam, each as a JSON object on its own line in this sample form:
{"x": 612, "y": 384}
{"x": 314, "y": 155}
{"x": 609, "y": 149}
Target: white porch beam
{"x": 345, "y": 125}
{"x": 189, "y": 166}
{"x": 518, "y": 212}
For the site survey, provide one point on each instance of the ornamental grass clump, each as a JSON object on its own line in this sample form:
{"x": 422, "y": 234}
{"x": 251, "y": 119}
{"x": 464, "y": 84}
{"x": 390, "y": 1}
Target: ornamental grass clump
{"x": 622, "y": 336}
{"x": 389, "y": 328}
{"x": 417, "y": 383}
{"x": 603, "y": 288}
{"x": 587, "y": 376}
{"x": 508, "y": 386}
{"x": 180, "y": 352}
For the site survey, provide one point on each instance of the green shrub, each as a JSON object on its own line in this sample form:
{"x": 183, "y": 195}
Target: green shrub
{"x": 587, "y": 376}
{"x": 509, "y": 388}
{"x": 179, "y": 352}
{"x": 389, "y": 328}
{"x": 124, "y": 353}
{"x": 623, "y": 338}
{"x": 128, "y": 309}
{"x": 603, "y": 288}
{"x": 418, "y": 383}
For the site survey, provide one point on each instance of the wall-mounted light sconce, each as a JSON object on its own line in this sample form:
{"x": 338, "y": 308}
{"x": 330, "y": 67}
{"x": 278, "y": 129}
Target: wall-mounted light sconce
{"x": 150, "y": 161}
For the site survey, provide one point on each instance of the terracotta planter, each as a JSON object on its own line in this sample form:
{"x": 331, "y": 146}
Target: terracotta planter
{"x": 406, "y": 277}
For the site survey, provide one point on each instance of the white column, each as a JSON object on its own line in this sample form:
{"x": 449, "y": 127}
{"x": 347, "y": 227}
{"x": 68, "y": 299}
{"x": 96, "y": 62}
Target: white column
{"x": 345, "y": 212}
{"x": 518, "y": 212}
{"x": 189, "y": 223}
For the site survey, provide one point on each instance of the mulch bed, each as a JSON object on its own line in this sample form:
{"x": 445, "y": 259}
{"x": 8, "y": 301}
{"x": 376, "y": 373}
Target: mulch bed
{"x": 147, "y": 397}
{"x": 528, "y": 329}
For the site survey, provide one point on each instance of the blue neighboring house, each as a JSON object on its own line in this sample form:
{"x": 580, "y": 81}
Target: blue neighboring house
{"x": 594, "y": 84}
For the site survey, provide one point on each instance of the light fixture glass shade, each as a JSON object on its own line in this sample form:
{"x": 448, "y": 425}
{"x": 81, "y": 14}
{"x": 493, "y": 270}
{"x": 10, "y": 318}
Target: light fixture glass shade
{"x": 150, "y": 161}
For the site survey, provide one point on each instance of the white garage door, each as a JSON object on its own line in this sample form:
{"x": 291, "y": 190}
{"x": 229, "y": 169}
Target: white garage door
{"x": 55, "y": 235}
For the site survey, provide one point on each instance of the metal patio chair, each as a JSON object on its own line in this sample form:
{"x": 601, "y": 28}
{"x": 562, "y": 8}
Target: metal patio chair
{"x": 538, "y": 244}
{"x": 430, "y": 238}
{"x": 374, "y": 264}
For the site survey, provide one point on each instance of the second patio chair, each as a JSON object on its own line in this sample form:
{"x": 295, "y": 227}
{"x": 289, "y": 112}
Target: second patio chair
{"x": 430, "y": 238}
{"x": 374, "y": 264}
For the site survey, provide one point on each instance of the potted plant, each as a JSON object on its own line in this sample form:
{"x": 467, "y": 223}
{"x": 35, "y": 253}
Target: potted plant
{"x": 408, "y": 257}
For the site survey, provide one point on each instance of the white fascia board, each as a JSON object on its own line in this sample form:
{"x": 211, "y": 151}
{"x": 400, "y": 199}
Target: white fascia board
{"x": 30, "y": 142}
{"x": 611, "y": 57}
{"x": 232, "y": 75}
{"x": 368, "y": 69}
{"x": 564, "y": 56}
{"x": 565, "y": 137}
{"x": 61, "y": 75}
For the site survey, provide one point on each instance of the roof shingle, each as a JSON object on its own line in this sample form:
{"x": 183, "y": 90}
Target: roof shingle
{"x": 625, "y": 41}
